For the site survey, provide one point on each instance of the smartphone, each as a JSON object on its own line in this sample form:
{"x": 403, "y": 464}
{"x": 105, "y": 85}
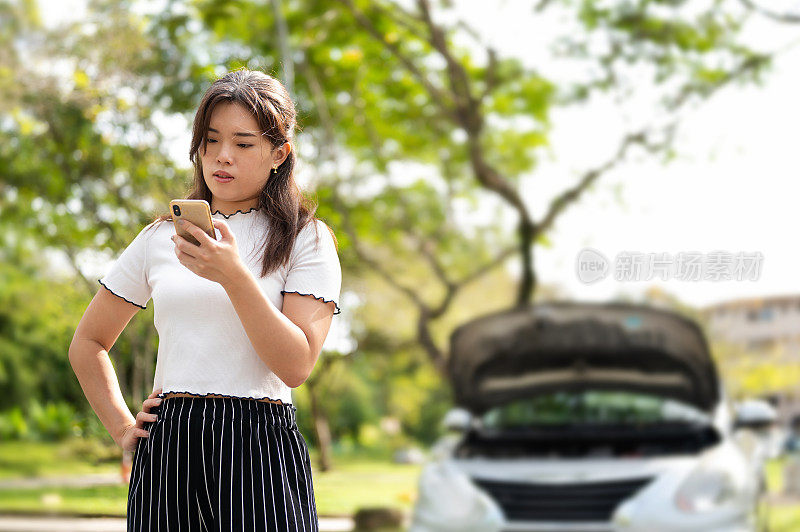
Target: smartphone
{"x": 196, "y": 211}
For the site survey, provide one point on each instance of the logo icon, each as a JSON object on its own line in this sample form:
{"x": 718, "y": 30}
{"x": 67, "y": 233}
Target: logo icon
{"x": 591, "y": 266}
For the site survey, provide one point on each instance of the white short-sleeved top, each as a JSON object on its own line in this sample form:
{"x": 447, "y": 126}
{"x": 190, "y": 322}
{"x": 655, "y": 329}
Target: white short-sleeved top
{"x": 203, "y": 347}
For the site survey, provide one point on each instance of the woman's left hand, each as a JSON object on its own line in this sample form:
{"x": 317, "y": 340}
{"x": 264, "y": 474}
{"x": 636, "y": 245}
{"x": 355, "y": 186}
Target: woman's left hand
{"x": 215, "y": 260}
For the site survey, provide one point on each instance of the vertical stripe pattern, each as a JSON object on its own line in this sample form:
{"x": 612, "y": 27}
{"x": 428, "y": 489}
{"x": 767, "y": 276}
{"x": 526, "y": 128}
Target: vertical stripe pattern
{"x": 221, "y": 464}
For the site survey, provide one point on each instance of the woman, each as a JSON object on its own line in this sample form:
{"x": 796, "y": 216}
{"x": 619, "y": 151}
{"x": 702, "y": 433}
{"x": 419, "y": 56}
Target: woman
{"x": 241, "y": 320}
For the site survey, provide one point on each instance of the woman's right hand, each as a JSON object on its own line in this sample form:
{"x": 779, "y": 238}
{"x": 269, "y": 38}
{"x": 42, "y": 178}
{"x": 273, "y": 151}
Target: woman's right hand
{"x": 130, "y": 434}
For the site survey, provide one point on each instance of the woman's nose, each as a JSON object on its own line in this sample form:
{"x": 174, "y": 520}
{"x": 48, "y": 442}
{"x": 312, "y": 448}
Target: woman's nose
{"x": 223, "y": 156}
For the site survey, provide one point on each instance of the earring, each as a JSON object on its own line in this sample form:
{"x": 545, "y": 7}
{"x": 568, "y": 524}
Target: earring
{"x": 274, "y": 169}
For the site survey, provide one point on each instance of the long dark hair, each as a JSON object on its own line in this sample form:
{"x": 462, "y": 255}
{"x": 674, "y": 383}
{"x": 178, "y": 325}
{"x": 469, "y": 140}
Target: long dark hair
{"x": 281, "y": 199}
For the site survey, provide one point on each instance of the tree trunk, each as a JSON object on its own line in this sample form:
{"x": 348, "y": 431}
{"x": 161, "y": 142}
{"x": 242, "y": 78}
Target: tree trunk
{"x": 321, "y": 429}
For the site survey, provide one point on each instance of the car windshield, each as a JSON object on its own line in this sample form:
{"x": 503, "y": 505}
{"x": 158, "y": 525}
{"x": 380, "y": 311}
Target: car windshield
{"x": 594, "y": 406}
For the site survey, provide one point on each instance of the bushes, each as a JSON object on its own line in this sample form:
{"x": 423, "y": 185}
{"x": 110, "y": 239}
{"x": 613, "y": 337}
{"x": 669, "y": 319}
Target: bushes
{"x": 54, "y": 421}
{"x": 13, "y": 425}
{"x": 93, "y": 451}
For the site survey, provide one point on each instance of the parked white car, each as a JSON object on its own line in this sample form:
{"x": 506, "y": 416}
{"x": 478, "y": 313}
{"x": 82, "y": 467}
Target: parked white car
{"x": 588, "y": 417}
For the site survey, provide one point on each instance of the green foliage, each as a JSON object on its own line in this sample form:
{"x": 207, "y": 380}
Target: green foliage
{"x": 35, "y": 332}
{"x": 751, "y": 373}
{"x": 514, "y": 150}
{"x": 51, "y": 421}
{"x": 13, "y": 425}
{"x": 420, "y": 400}
{"x": 93, "y": 450}
{"x": 521, "y": 93}
{"x": 85, "y": 166}
{"x": 696, "y": 47}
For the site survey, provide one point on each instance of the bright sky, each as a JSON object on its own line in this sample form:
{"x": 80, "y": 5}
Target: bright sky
{"x": 734, "y": 187}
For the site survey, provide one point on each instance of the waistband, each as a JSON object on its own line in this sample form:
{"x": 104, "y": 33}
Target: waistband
{"x": 226, "y": 408}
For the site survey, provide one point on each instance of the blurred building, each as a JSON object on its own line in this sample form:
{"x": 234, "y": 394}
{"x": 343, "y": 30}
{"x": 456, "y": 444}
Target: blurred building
{"x": 767, "y": 324}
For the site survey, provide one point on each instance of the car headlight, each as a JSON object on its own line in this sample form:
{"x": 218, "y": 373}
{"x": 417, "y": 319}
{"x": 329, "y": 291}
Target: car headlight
{"x": 705, "y": 490}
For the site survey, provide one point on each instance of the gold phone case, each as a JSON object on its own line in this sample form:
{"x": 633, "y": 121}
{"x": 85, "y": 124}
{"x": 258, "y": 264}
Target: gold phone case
{"x": 196, "y": 211}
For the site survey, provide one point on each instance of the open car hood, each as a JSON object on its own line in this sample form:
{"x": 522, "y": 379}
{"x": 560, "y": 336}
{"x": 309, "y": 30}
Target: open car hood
{"x": 572, "y": 346}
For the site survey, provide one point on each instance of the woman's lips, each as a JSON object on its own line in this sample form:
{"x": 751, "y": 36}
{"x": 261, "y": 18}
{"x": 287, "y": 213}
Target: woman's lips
{"x": 222, "y": 179}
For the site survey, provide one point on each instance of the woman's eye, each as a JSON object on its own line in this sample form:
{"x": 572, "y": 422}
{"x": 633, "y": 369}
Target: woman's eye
{"x": 212, "y": 141}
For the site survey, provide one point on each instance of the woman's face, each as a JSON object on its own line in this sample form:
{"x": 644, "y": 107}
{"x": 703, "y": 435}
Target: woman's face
{"x": 236, "y": 147}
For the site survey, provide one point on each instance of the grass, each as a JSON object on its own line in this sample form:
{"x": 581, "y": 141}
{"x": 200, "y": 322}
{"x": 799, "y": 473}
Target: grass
{"x": 339, "y": 492}
{"x": 775, "y": 475}
{"x": 356, "y": 482}
{"x": 43, "y": 459}
{"x": 361, "y": 483}
{"x": 95, "y": 500}
{"x": 784, "y": 518}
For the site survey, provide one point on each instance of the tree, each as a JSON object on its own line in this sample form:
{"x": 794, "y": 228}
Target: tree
{"x": 377, "y": 84}
{"x": 82, "y": 159}
{"x": 400, "y": 89}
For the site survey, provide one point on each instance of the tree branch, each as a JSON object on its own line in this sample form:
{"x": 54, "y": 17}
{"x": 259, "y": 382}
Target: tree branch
{"x": 466, "y": 104}
{"x": 563, "y": 200}
{"x": 283, "y": 42}
{"x": 424, "y": 336}
{"x": 426, "y": 312}
{"x": 788, "y": 18}
{"x": 569, "y": 196}
{"x": 491, "y": 74}
{"x": 436, "y": 94}
{"x": 541, "y": 5}
{"x": 751, "y": 63}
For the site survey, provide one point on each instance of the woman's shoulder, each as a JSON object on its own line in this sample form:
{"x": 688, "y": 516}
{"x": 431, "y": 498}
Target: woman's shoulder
{"x": 314, "y": 231}
{"x": 157, "y": 225}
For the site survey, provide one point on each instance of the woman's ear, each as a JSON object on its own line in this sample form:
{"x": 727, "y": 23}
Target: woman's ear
{"x": 283, "y": 153}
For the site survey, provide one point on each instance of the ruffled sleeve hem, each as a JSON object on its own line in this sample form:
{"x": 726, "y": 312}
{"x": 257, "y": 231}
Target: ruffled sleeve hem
{"x": 337, "y": 311}
{"x": 116, "y": 294}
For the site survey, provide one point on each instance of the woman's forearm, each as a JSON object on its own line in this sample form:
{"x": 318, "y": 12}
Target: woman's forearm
{"x": 96, "y": 375}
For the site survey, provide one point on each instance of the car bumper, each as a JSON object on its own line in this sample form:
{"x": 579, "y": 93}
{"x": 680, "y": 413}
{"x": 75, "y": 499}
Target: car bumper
{"x": 541, "y": 526}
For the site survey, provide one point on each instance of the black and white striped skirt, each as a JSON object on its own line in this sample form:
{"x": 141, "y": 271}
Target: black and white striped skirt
{"x": 221, "y": 464}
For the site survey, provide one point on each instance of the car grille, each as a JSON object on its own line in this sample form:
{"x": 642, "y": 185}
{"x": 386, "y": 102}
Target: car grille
{"x": 587, "y": 501}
